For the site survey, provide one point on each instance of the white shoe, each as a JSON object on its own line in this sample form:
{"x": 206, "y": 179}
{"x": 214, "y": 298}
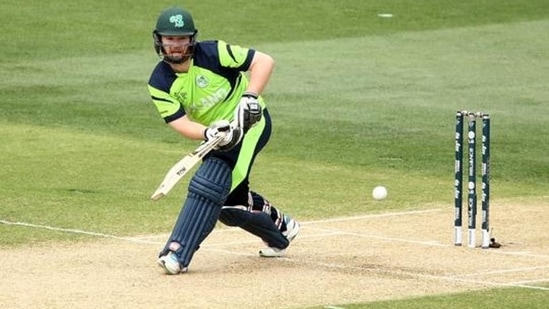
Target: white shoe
{"x": 170, "y": 264}
{"x": 292, "y": 229}
{"x": 272, "y": 252}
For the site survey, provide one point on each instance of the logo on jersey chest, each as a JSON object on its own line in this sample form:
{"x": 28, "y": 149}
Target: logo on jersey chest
{"x": 202, "y": 81}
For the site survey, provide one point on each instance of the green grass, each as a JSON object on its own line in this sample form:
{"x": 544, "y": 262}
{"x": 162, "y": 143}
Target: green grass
{"x": 490, "y": 299}
{"x": 357, "y": 101}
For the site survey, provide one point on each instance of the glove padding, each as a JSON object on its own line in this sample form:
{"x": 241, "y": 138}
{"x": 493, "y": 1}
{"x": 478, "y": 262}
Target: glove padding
{"x": 231, "y": 135}
{"x": 248, "y": 112}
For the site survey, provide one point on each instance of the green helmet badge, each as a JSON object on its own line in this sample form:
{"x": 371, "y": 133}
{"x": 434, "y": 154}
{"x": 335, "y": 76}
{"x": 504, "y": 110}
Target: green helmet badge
{"x": 177, "y": 20}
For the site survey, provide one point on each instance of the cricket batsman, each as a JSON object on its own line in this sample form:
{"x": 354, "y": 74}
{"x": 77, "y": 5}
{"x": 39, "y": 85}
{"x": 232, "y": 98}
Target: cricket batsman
{"x": 199, "y": 88}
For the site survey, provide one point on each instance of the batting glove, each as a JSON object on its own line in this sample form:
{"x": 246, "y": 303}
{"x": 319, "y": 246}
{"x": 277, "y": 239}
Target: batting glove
{"x": 222, "y": 128}
{"x": 249, "y": 111}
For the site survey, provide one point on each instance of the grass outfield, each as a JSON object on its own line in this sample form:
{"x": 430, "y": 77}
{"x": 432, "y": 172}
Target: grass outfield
{"x": 357, "y": 100}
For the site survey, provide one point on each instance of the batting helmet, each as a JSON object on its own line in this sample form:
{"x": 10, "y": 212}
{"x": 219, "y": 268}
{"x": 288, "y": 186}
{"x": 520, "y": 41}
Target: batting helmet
{"x": 174, "y": 21}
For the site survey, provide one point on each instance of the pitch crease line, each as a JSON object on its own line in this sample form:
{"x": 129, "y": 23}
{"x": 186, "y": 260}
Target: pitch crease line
{"x": 497, "y": 272}
{"x": 370, "y": 216}
{"x": 76, "y": 231}
{"x": 142, "y": 238}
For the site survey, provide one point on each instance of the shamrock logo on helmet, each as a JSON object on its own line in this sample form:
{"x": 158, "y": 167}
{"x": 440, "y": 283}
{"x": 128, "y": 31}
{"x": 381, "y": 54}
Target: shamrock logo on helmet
{"x": 177, "y": 20}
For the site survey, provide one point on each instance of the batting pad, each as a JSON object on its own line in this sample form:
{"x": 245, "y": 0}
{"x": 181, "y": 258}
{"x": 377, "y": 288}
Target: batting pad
{"x": 208, "y": 190}
{"x": 258, "y": 223}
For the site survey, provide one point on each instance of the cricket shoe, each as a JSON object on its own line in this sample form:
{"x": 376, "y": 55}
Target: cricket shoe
{"x": 170, "y": 264}
{"x": 292, "y": 229}
{"x": 271, "y": 252}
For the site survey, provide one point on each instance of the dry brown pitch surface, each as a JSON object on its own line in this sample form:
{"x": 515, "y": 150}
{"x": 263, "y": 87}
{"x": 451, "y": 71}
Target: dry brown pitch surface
{"x": 336, "y": 261}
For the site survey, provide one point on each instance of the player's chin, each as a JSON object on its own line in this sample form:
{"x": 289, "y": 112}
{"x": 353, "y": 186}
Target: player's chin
{"x": 174, "y": 58}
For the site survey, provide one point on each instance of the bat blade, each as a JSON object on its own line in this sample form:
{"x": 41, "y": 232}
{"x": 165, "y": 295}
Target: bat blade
{"x": 174, "y": 175}
{"x": 182, "y": 167}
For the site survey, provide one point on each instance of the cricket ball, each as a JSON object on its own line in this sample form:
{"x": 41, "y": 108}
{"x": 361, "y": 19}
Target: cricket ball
{"x": 379, "y": 193}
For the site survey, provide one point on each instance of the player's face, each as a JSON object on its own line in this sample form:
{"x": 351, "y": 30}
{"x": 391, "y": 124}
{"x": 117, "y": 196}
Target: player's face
{"x": 176, "y": 46}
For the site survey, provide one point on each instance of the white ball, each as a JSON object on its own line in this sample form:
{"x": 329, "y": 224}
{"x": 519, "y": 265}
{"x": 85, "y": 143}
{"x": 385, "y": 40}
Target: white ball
{"x": 379, "y": 193}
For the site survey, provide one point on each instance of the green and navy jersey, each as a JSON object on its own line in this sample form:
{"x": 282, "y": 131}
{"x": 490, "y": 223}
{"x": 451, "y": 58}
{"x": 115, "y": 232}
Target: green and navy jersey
{"x": 210, "y": 90}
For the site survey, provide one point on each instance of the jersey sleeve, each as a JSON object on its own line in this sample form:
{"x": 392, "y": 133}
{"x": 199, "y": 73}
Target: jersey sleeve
{"x": 234, "y": 56}
{"x": 159, "y": 89}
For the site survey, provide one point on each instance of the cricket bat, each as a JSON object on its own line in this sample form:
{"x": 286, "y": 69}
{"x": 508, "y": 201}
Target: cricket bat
{"x": 183, "y": 166}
